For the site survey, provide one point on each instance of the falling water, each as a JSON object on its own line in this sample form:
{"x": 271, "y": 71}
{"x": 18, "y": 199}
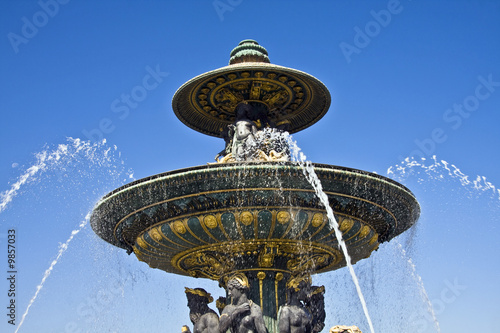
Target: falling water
{"x": 62, "y": 249}
{"x": 313, "y": 179}
{"x": 437, "y": 170}
{"x": 49, "y": 160}
{"x": 420, "y": 283}
{"x": 67, "y": 162}
{"x": 462, "y": 201}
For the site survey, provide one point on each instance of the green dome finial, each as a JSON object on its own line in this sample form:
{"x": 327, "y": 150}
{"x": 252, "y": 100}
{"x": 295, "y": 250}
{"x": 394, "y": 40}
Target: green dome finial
{"x": 248, "y": 50}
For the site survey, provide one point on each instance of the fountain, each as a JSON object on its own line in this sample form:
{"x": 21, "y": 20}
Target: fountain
{"x": 253, "y": 220}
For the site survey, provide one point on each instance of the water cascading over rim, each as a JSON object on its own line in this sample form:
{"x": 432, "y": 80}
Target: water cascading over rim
{"x": 260, "y": 217}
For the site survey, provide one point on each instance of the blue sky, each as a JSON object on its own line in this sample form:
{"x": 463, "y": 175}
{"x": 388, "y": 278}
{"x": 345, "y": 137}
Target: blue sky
{"x": 407, "y": 78}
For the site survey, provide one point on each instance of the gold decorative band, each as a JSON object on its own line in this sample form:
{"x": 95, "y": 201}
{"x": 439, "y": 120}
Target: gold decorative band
{"x": 201, "y": 293}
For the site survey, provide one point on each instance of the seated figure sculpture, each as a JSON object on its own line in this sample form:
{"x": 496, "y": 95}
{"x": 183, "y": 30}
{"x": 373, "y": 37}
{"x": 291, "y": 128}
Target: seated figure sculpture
{"x": 204, "y": 319}
{"x": 316, "y": 305}
{"x": 253, "y": 137}
{"x": 244, "y": 133}
{"x": 242, "y": 315}
{"x": 294, "y": 317}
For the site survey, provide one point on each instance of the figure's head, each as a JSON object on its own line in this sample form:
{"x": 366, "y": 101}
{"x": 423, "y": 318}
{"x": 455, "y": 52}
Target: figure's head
{"x": 237, "y": 285}
{"x": 243, "y": 110}
{"x": 300, "y": 285}
{"x": 197, "y": 297}
{"x": 185, "y": 329}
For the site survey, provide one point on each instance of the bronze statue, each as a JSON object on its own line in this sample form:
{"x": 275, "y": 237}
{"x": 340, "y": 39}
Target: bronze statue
{"x": 253, "y": 137}
{"x": 294, "y": 317}
{"x": 204, "y": 319}
{"x": 242, "y": 315}
{"x": 316, "y": 305}
{"x": 244, "y": 131}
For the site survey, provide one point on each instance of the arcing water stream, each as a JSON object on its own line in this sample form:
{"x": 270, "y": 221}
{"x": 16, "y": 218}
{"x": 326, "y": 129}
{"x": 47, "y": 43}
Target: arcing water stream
{"x": 313, "y": 179}
{"x": 62, "y": 249}
{"x": 55, "y": 160}
{"x": 72, "y": 158}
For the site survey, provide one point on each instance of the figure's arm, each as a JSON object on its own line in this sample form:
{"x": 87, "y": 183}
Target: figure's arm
{"x": 260, "y": 326}
{"x": 254, "y": 128}
{"x": 283, "y": 320}
{"x": 225, "y": 320}
{"x": 212, "y": 323}
{"x": 228, "y": 315}
{"x": 230, "y": 131}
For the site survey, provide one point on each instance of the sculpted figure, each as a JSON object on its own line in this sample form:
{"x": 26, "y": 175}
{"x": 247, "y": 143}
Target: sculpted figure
{"x": 244, "y": 133}
{"x": 204, "y": 319}
{"x": 242, "y": 315}
{"x": 227, "y": 135}
{"x": 253, "y": 136}
{"x": 220, "y": 304}
{"x": 316, "y": 305}
{"x": 294, "y": 317}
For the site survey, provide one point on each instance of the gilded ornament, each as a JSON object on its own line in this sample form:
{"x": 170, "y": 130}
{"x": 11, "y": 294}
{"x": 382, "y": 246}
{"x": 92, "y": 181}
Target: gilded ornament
{"x": 241, "y": 278}
{"x": 207, "y": 265}
{"x": 294, "y": 282}
{"x": 308, "y": 262}
{"x": 317, "y": 220}
{"x": 246, "y": 218}
{"x": 373, "y": 239}
{"x": 210, "y": 221}
{"x": 141, "y": 242}
{"x": 201, "y": 293}
{"x": 266, "y": 257}
{"x": 179, "y": 227}
{"x": 283, "y": 217}
{"x": 346, "y": 224}
{"x": 155, "y": 234}
{"x": 364, "y": 231}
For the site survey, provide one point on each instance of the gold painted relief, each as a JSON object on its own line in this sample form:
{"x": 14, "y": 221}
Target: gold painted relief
{"x": 155, "y": 234}
{"x": 364, "y": 231}
{"x": 141, "y": 242}
{"x": 179, "y": 227}
{"x": 307, "y": 262}
{"x": 317, "y": 220}
{"x": 346, "y": 224}
{"x": 246, "y": 218}
{"x": 207, "y": 265}
{"x": 283, "y": 217}
{"x": 210, "y": 221}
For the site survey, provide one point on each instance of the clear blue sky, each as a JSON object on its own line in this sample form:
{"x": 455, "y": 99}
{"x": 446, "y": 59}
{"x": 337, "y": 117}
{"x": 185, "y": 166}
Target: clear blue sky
{"x": 407, "y": 78}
